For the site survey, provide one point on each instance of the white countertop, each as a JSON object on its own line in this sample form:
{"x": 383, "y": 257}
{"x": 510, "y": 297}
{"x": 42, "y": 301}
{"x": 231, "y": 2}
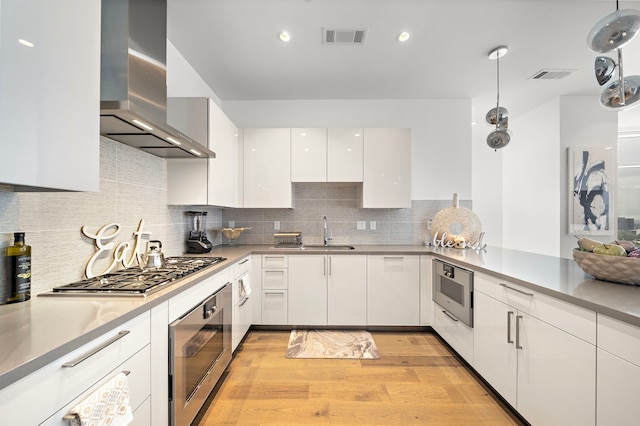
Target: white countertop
{"x": 38, "y": 331}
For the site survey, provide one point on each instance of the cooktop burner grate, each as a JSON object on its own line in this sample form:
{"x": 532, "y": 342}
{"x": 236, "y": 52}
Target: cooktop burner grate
{"x": 136, "y": 281}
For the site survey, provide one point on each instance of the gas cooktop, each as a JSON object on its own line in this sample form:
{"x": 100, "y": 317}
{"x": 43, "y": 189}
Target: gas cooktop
{"x": 135, "y": 281}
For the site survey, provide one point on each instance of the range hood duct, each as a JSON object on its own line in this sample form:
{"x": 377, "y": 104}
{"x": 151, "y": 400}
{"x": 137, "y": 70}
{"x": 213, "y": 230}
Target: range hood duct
{"x": 133, "y": 86}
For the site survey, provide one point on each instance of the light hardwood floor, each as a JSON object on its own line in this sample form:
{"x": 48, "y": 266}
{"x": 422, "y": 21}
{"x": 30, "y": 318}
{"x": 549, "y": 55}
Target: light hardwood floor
{"x": 416, "y": 381}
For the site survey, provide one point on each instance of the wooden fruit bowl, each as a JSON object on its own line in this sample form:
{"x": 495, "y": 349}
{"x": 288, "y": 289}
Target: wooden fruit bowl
{"x": 617, "y": 269}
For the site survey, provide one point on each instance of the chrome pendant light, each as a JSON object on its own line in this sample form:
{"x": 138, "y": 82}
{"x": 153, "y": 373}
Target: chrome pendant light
{"x": 498, "y": 116}
{"x": 611, "y": 33}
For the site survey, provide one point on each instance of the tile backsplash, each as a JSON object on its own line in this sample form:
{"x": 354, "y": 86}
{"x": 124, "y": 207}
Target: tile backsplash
{"x": 339, "y": 202}
{"x": 132, "y": 188}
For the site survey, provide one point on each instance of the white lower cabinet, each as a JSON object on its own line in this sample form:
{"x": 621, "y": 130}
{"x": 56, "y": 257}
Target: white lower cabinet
{"x": 347, "y": 290}
{"x": 46, "y": 395}
{"x": 618, "y": 373}
{"x": 274, "y": 284}
{"x": 522, "y": 349}
{"x": 308, "y": 290}
{"x": 327, "y": 290}
{"x": 242, "y": 301}
{"x": 393, "y": 290}
{"x": 454, "y": 332}
{"x": 426, "y": 291}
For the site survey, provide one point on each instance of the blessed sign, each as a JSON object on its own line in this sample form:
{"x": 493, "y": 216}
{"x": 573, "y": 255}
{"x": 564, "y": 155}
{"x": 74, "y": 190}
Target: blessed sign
{"x": 125, "y": 253}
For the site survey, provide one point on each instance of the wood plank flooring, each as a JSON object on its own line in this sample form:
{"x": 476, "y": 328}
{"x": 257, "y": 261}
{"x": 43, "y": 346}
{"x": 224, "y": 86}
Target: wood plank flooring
{"x": 416, "y": 381}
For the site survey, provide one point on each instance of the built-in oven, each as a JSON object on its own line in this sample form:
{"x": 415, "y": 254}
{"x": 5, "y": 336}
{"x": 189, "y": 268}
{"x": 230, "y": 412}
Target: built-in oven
{"x": 453, "y": 291}
{"x": 199, "y": 353}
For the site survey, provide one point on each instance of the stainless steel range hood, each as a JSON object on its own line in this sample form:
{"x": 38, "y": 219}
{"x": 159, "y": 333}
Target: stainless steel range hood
{"x": 133, "y": 89}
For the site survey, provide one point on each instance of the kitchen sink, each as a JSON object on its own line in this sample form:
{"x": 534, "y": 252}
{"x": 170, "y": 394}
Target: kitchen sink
{"x": 321, "y": 247}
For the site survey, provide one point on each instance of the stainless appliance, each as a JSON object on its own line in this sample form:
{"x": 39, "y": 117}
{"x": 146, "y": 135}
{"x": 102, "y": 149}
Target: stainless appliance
{"x": 198, "y": 241}
{"x": 136, "y": 282}
{"x": 199, "y": 352}
{"x": 133, "y": 80}
{"x": 453, "y": 291}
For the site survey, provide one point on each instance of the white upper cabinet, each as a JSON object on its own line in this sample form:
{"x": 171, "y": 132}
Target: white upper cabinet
{"x": 50, "y": 86}
{"x": 387, "y": 168}
{"x": 326, "y": 155}
{"x": 308, "y": 155}
{"x": 344, "y": 155}
{"x": 267, "y": 168}
{"x": 212, "y": 181}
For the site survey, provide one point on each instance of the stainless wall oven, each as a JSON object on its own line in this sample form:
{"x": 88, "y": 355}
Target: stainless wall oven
{"x": 199, "y": 352}
{"x": 453, "y": 291}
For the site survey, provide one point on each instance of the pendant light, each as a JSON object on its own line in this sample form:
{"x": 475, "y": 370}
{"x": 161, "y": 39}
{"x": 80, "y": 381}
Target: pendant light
{"x": 498, "y": 116}
{"x": 612, "y": 33}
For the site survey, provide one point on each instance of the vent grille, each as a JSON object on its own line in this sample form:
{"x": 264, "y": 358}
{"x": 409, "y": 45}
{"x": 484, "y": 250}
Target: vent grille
{"x": 333, "y": 36}
{"x": 551, "y": 74}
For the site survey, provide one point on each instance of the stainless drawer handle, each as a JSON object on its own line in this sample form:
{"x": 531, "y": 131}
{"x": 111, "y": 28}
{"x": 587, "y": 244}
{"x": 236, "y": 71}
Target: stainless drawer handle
{"x": 509, "y": 316}
{"x": 243, "y": 262}
{"x": 450, "y": 316}
{"x": 515, "y": 289}
{"x": 518, "y": 318}
{"x": 94, "y": 351}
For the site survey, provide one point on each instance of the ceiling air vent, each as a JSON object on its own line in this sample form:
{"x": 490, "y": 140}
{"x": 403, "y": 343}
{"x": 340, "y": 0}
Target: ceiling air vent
{"x": 333, "y": 36}
{"x": 551, "y": 74}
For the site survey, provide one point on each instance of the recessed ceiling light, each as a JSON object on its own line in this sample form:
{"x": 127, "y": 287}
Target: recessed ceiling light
{"x": 404, "y": 36}
{"x": 285, "y": 36}
{"x": 25, "y": 42}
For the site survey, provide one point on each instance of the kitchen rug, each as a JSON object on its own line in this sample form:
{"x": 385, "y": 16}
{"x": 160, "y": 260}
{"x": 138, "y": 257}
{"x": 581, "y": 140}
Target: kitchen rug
{"x": 346, "y": 344}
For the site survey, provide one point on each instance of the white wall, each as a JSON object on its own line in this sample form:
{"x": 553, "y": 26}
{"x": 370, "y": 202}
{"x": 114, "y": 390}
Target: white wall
{"x": 183, "y": 80}
{"x": 531, "y": 190}
{"x": 441, "y": 132}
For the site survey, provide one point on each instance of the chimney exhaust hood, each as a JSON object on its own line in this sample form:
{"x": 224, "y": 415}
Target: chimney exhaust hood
{"x": 133, "y": 86}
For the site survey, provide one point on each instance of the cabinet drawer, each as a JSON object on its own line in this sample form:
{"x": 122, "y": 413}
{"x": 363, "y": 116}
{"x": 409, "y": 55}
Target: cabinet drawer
{"x": 275, "y": 279}
{"x": 138, "y": 380}
{"x": 455, "y": 333}
{"x": 619, "y": 338}
{"x": 275, "y": 261}
{"x": 242, "y": 267}
{"x": 571, "y": 318}
{"x": 274, "y": 307}
{"x": 55, "y": 386}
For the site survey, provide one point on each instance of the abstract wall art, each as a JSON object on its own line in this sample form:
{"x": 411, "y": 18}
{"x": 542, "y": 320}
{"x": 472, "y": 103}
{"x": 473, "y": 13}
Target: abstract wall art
{"x": 591, "y": 174}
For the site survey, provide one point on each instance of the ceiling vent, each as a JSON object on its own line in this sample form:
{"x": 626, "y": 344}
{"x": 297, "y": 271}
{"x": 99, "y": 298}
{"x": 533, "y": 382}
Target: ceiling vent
{"x": 551, "y": 74}
{"x": 333, "y": 36}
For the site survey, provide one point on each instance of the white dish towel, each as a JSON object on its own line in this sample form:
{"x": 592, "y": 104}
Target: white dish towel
{"x": 245, "y": 289}
{"x": 107, "y": 406}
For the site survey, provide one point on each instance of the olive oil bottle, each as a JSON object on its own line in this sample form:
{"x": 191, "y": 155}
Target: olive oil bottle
{"x": 18, "y": 267}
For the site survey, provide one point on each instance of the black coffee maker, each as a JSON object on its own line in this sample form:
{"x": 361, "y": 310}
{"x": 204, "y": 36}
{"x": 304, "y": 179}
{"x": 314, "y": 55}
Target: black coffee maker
{"x": 198, "y": 242}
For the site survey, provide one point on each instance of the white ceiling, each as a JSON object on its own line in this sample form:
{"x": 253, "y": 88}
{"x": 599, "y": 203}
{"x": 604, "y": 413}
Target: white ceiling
{"x": 234, "y": 46}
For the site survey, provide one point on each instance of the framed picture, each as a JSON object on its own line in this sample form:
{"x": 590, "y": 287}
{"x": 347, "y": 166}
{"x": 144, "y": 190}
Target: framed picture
{"x": 591, "y": 177}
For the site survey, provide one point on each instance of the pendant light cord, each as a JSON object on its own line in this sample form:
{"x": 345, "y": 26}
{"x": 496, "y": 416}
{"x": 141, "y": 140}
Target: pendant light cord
{"x": 497, "y": 90}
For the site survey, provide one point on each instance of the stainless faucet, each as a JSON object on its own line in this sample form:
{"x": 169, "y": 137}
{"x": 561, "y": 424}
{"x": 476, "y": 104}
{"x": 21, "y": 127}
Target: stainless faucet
{"x": 327, "y": 234}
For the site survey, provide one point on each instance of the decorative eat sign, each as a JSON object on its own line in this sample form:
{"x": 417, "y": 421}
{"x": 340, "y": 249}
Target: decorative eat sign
{"x": 123, "y": 252}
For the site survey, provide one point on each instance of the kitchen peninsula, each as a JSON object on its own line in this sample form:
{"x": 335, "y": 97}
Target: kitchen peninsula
{"x": 57, "y": 327}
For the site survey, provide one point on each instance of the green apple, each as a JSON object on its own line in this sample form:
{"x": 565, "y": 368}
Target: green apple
{"x": 610, "y": 250}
